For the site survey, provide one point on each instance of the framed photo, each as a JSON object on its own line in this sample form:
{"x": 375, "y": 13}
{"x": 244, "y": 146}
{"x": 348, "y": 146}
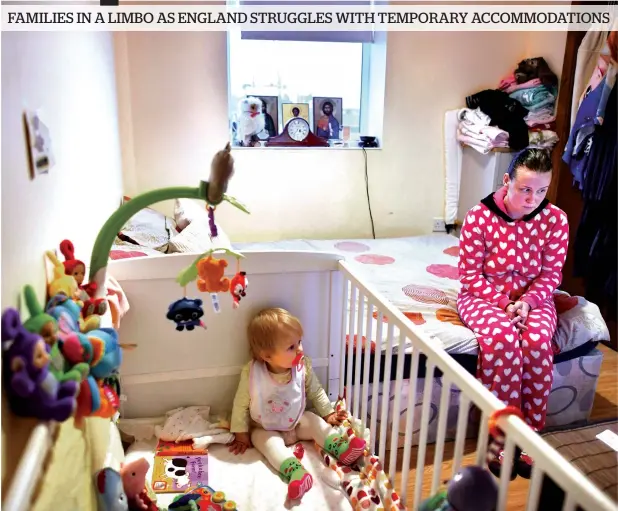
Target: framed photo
{"x": 327, "y": 117}
{"x": 270, "y": 109}
{"x": 291, "y": 110}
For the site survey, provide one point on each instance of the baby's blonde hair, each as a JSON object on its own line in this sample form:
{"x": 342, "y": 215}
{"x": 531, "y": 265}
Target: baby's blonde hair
{"x": 266, "y": 328}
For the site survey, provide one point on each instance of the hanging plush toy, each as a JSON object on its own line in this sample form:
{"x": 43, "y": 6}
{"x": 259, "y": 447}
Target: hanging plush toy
{"x": 186, "y": 313}
{"x": 238, "y": 285}
{"x": 210, "y": 278}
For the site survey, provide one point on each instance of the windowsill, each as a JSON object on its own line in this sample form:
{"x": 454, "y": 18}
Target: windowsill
{"x": 293, "y": 148}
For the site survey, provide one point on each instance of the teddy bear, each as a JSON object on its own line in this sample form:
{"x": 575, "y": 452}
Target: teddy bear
{"x": 32, "y": 389}
{"x": 210, "y": 275}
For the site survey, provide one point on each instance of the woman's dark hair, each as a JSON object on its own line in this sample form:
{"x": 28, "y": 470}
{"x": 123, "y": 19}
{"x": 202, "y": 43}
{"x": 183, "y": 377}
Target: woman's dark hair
{"x": 538, "y": 160}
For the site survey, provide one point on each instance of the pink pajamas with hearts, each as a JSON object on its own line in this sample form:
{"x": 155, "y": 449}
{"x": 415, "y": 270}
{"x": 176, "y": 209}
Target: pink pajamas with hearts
{"x": 502, "y": 261}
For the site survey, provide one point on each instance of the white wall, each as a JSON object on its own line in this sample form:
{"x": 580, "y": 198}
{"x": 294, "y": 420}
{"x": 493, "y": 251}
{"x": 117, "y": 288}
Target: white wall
{"x": 70, "y": 76}
{"x": 175, "y": 84}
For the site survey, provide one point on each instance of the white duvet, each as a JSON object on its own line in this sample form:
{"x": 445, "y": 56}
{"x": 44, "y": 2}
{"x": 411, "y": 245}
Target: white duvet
{"x": 419, "y": 276}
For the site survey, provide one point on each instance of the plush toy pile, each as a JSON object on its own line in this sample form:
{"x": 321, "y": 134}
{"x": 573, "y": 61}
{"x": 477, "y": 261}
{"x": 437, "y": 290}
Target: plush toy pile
{"x": 59, "y": 362}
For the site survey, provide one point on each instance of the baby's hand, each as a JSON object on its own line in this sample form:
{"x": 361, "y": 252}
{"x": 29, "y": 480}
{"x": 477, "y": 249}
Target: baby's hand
{"x": 336, "y": 418}
{"x": 242, "y": 441}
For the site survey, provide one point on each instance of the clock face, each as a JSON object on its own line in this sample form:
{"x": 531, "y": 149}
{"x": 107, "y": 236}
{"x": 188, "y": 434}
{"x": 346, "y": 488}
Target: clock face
{"x": 298, "y": 129}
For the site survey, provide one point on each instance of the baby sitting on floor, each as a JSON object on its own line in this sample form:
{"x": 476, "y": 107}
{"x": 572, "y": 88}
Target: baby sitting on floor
{"x": 269, "y": 407}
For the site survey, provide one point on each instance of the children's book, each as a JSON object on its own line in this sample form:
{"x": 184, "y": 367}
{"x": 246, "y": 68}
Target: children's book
{"x": 178, "y": 449}
{"x": 178, "y": 474}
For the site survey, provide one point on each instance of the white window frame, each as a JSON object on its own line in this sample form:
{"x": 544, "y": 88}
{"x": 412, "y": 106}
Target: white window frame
{"x": 366, "y": 96}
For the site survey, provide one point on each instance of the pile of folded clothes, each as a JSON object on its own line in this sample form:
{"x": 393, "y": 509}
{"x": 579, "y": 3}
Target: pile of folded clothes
{"x": 518, "y": 114}
{"x": 475, "y": 130}
{"x": 535, "y": 86}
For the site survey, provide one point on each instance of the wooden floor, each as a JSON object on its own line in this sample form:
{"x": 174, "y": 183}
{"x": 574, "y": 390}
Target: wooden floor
{"x": 605, "y": 407}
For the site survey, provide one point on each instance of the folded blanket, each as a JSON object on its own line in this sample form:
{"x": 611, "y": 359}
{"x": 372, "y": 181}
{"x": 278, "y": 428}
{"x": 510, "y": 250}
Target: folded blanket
{"x": 535, "y": 98}
{"x": 474, "y": 116}
{"x": 509, "y": 84}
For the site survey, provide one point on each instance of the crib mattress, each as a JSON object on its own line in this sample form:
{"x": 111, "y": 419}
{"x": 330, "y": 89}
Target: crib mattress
{"x": 250, "y": 482}
{"x": 419, "y": 276}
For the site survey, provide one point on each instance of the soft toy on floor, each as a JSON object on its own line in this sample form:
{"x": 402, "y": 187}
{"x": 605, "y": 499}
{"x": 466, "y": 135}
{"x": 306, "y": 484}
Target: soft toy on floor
{"x": 110, "y": 493}
{"x": 32, "y": 390}
{"x": 134, "y": 482}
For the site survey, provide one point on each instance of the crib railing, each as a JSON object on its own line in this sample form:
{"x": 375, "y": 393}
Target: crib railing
{"x": 367, "y": 313}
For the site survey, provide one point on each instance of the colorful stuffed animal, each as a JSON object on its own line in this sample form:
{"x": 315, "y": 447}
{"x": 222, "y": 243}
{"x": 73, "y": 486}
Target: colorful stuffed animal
{"x": 110, "y": 492}
{"x": 39, "y": 322}
{"x": 46, "y": 326}
{"x": 32, "y": 389}
{"x": 61, "y": 283}
{"x": 238, "y": 287}
{"x": 210, "y": 275}
{"x": 77, "y": 269}
{"x": 134, "y": 482}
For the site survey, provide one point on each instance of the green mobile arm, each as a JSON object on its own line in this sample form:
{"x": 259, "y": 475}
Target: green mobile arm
{"x": 113, "y": 225}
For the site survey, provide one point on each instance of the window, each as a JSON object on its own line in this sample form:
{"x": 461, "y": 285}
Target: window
{"x": 298, "y": 71}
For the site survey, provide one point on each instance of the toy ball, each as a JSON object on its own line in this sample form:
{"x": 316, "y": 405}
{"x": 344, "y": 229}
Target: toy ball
{"x": 186, "y": 313}
{"x": 472, "y": 489}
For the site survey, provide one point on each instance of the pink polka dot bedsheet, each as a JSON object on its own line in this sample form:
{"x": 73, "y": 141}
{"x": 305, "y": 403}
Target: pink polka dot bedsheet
{"x": 419, "y": 276}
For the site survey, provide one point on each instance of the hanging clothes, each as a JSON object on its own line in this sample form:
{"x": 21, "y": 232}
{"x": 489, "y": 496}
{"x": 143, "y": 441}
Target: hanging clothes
{"x": 596, "y": 239}
{"x": 592, "y": 155}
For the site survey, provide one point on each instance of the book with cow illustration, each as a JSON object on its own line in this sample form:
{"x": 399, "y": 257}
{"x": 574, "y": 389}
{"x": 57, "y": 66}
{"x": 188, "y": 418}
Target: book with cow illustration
{"x": 178, "y": 474}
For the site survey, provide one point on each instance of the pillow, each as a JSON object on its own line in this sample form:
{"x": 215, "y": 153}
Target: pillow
{"x": 195, "y": 238}
{"x": 191, "y": 218}
{"x": 149, "y": 228}
{"x": 187, "y": 210}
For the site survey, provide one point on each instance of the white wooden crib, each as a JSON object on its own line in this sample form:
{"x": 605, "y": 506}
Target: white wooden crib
{"x": 171, "y": 368}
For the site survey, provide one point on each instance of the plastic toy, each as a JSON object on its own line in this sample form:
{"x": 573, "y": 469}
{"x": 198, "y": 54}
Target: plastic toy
{"x": 186, "y": 313}
{"x": 109, "y": 490}
{"x": 202, "y": 498}
{"x": 32, "y": 390}
{"x": 472, "y": 489}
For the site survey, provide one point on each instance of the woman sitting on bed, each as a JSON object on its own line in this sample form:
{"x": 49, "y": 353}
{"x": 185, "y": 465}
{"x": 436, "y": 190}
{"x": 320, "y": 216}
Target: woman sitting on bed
{"x": 269, "y": 407}
{"x": 512, "y": 249}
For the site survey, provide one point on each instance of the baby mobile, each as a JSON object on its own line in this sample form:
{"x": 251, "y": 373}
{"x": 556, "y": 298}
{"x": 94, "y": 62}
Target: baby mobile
{"x": 209, "y": 271}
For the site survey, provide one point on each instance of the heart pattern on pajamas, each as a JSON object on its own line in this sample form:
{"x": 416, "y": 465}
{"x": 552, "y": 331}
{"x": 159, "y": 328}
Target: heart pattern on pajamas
{"x": 502, "y": 260}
